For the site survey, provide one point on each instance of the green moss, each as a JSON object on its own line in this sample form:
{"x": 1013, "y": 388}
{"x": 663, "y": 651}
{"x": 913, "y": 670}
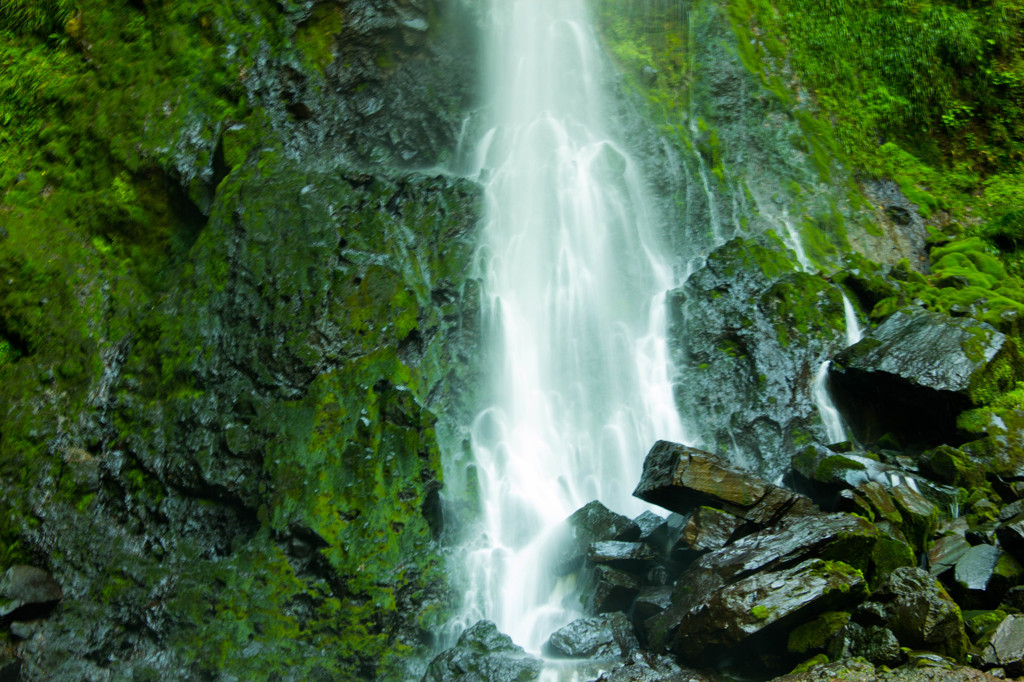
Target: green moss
{"x": 830, "y": 469}
{"x": 315, "y": 37}
{"x": 813, "y": 662}
{"x": 816, "y": 633}
{"x": 760, "y": 612}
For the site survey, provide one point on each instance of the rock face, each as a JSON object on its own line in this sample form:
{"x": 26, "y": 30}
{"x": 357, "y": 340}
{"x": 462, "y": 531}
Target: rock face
{"x": 751, "y": 332}
{"x": 921, "y": 369}
{"x": 483, "y": 654}
{"x": 241, "y": 446}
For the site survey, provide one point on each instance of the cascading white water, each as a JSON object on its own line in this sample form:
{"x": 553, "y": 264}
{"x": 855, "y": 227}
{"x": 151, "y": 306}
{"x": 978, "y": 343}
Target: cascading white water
{"x": 574, "y": 285}
{"x": 826, "y": 408}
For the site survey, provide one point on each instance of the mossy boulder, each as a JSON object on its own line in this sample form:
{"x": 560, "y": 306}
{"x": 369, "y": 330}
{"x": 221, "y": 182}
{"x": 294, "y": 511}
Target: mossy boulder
{"x": 919, "y": 369}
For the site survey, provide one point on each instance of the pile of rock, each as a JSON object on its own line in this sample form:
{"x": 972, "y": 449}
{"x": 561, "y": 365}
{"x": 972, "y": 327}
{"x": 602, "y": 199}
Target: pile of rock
{"x": 752, "y": 579}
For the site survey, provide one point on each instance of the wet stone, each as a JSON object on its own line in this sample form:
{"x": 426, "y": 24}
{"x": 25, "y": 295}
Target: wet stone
{"x": 591, "y": 523}
{"x": 945, "y": 553}
{"x": 709, "y": 528}
{"x": 483, "y": 654}
{"x": 608, "y": 589}
{"x": 876, "y": 644}
{"x": 680, "y": 478}
{"x": 921, "y": 614}
{"x": 648, "y": 523}
{"x": 627, "y": 556}
{"x": 606, "y": 636}
{"x": 1006, "y": 648}
{"x": 646, "y": 667}
{"x": 734, "y": 613}
{"x": 27, "y": 586}
{"x": 975, "y": 567}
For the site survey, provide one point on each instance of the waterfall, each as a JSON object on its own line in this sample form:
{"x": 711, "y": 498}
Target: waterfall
{"x": 830, "y": 418}
{"x": 574, "y": 281}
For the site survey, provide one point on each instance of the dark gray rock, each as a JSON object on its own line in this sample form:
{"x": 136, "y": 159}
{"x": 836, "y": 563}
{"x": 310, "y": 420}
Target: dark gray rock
{"x": 751, "y": 331}
{"x": 709, "y": 528}
{"x": 876, "y": 644}
{"x": 798, "y": 540}
{"x": 680, "y": 478}
{"x": 483, "y": 654}
{"x": 1006, "y": 648}
{"x": 591, "y": 523}
{"x": 917, "y": 371}
{"x": 748, "y": 607}
{"x": 921, "y": 614}
{"x": 945, "y": 553}
{"x": 647, "y": 667}
{"x": 627, "y": 556}
{"x": 652, "y": 600}
{"x": 27, "y": 587}
{"x": 606, "y": 636}
{"x": 10, "y": 669}
{"x": 606, "y": 589}
{"x": 975, "y": 567}
{"x": 648, "y": 523}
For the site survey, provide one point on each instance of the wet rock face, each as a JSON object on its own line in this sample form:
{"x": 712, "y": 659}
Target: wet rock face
{"x": 749, "y": 333}
{"x": 483, "y": 654}
{"x": 915, "y": 372}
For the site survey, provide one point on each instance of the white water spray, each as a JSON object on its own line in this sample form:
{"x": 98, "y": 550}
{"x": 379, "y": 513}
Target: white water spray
{"x": 830, "y": 418}
{"x": 574, "y": 288}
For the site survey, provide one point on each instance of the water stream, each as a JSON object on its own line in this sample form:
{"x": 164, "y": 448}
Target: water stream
{"x": 574, "y": 281}
{"x": 830, "y": 418}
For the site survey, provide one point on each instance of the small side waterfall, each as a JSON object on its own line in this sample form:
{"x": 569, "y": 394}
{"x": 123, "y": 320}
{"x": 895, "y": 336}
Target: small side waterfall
{"x": 830, "y": 418}
{"x": 574, "y": 286}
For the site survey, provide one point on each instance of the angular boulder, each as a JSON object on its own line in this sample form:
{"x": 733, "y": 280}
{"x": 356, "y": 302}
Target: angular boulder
{"x": 681, "y": 478}
{"x": 606, "y": 589}
{"x": 921, "y": 614}
{"x": 709, "y": 528}
{"x": 25, "y": 588}
{"x": 915, "y": 372}
{"x": 591, "y": 523}
{"x": 626, "y": 556}
{"x": 1006, "y": 648}
{"x": 827, "y": 536}
{"x": 753, "y": 605}
{"x": 483, "y": 654}
{"x": 606, "y": 636}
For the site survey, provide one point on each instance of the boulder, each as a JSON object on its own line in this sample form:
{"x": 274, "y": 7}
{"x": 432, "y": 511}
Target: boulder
{"x": 709, "y": 528}
{"x": 826, "y": 536}
{"x": 606, "y": 636}
{"x": 680, "y": 479}
{"x": 648, "y": 523}
{"x": 974, "y": 569}
{"x": 607, "y": 589}
{"x": 1006, "y": 648}
{"x": 751, "y": 606}
{"x": 27, "y": 588}
{"x": 945, "y": 553}
{"x": 876, "y": 644}
{"x": 647, "y": 667}
{"x": 591, "y": 523}
{"x": 921, "y": 614}
{"x": 914, "y": 373}
{"x": 627, "y": 556}
{"x": 483, "y": 654}
{"x": 814, "y": 635}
